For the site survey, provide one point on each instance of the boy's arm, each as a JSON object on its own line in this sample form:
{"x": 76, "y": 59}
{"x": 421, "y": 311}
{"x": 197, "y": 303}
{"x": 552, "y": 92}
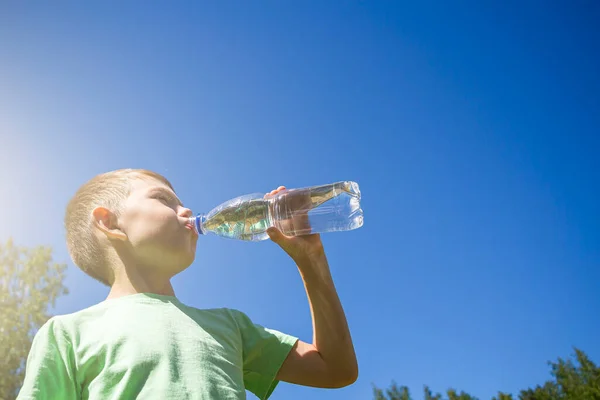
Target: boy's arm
{"x": 330, "y": 361}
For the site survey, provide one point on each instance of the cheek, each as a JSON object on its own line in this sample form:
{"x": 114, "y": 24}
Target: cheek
{"x": 156, "y": 227}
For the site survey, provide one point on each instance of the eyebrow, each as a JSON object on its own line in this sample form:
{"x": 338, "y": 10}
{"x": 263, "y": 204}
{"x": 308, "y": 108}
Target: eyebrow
{"x": 170, "y": 194}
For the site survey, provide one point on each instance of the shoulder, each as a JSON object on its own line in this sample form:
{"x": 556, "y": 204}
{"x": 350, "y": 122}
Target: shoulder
{"x": 64, "y": 326}
{"x": 55, "y": 326}
{"x": 244, "y": 323}
{"x": 239, "y": 317}
{"x": 53, "y": 335}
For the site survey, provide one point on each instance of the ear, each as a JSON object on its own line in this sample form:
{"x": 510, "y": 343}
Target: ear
{"x": 106, "y": 221}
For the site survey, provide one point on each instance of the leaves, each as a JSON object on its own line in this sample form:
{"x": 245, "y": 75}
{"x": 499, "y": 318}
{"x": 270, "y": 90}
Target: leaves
{"x": 503, "y": 396}
{"x": 30, "y": 282}
{"x": 578, "y": 380}
{"x": 428, "y": 395}
{"x": 572, "y": 382}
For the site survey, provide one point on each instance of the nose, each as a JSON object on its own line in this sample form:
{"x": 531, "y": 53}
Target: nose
{"x": 185, "y": 212}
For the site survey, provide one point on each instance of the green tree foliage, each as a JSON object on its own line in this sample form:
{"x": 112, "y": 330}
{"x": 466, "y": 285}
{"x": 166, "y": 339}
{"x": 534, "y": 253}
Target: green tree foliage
{"x": 572, "y": 381}
{"x": 30, "y": 282}
{"x": 579, "y": 380}
{"x": 396, "y": 392}
{"x": 428, "y": 395}
{"x": 503, "y": 396}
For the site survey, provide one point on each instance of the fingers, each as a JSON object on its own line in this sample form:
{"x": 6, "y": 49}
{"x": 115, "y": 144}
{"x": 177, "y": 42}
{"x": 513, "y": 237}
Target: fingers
{"x": 279, "y": 189}
{"x": 274, "y": 192}
{"x": 276, "y": 236}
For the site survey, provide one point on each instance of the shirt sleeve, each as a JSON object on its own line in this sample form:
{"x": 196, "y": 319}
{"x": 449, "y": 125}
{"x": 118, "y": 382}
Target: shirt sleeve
{"x": 50, "y": 370}
{"x": 264, "y": 351}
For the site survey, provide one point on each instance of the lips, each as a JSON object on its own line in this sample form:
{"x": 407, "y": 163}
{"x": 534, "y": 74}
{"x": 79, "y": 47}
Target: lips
{"x": 191, "y": 228}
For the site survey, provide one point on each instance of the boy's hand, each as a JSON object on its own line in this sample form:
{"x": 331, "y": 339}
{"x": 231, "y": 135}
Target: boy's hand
{"x": 305, "y": 249}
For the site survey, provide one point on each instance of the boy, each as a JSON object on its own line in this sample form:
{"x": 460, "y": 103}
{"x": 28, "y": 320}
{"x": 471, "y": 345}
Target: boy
{"x": 129, "y": 230}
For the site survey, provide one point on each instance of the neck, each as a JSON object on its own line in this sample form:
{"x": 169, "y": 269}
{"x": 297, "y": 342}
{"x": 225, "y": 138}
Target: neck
{"x": 131, "y": 281}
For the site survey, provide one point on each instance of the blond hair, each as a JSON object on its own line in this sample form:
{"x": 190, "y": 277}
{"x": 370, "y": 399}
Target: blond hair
{"x": 107, "y": 190}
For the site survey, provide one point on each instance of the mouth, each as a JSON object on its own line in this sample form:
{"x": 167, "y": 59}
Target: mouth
{"x": 191, "y": 228}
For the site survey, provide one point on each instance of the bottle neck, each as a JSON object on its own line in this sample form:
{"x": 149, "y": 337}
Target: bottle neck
{"x": 198, "y": 223}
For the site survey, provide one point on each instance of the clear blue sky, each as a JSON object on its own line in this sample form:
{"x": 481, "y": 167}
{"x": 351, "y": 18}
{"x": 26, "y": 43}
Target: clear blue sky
{"x": 472, "y": 129}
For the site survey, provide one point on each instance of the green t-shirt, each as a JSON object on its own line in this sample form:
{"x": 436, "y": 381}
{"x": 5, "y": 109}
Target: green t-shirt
{"x": 153, "y": 347}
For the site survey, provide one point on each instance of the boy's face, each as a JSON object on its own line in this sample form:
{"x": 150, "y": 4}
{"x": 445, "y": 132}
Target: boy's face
{"x": 157, "y": 227}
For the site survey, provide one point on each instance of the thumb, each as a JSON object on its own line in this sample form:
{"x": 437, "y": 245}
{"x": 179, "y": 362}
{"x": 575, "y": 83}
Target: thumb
{"x": 276, "y": 235}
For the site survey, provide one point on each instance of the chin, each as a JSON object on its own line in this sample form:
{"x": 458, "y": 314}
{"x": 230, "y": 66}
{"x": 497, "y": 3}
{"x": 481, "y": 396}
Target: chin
{"x": 184, "y": 262}
{"x": 178, "y": 260}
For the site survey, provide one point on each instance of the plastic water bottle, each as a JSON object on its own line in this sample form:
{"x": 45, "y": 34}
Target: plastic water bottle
{"x": 295, "y": 212}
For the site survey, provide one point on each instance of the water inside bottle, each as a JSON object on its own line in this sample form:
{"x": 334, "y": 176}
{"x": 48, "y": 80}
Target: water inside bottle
{"x": 244, "y": 218}
{"x": 295, "y": 212}
{"x": 320, "y": 209}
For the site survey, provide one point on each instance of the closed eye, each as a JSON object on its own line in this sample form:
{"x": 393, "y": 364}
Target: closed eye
{"x": 166, "y": 198}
